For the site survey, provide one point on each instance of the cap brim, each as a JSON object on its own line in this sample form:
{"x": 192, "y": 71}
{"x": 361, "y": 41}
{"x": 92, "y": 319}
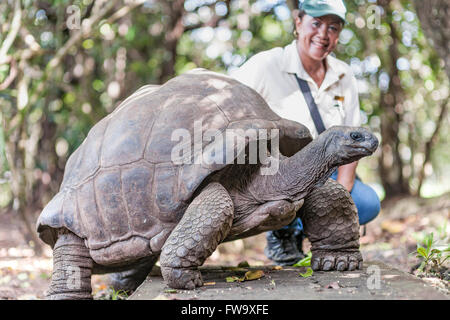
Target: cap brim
{"x": 321, "y": 13}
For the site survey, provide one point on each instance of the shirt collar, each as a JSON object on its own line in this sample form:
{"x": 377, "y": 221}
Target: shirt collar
{"x": 292, "y": 64}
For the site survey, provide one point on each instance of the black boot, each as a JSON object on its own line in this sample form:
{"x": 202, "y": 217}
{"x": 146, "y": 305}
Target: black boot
{"x": 283, "y": 246}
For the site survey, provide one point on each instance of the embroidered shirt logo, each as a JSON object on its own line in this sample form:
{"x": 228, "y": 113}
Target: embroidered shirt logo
{"x": 338, "y": 101}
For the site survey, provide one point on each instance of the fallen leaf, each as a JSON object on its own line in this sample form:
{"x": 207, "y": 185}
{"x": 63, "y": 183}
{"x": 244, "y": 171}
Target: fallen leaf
{"x": 393, "y": 226}
{"x": 209, "y": 283}
{"x": 232, "y": 279}
{"x": 253, "y": 275}
{"x": 308, "y": 273}
{"x": 305, "y": 262}
{"x": 277, "y": 268}
{"x": 170, "y": 291}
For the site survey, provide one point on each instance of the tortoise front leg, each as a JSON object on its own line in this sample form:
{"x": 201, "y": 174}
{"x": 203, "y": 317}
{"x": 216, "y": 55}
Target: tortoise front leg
{"x": 330, "y": 221}
{"x": 204, "y": 225}
{"x": 72, "y": 268}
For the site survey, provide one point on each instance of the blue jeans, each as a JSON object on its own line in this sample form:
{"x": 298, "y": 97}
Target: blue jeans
{"x": 366, "y": 201}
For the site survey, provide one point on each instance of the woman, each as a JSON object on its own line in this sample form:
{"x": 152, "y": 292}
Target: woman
{"x": 274, "y": 74}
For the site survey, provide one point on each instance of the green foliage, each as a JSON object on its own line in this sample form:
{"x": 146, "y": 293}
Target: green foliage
{"x": 309, "y": 272}
{"x": 305, "y": 262}
{"x": 118, "y": 295}
{"x": 433, "y": 255}
{"x": 111, "y": 294}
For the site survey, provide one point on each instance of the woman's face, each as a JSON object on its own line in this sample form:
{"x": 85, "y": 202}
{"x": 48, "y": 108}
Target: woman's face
{"x": 317, "y": 37}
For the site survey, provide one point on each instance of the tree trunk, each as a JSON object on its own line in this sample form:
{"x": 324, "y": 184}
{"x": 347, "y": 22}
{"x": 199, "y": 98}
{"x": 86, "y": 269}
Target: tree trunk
{"x": 390, "y": 162}
{"x": 430, "y": 143}
{"x": 434, "y": 16}
{"x": 175, "y": 29}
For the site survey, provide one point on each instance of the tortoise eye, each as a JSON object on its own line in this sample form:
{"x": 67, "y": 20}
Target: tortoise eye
{"x": 357, "y": 136}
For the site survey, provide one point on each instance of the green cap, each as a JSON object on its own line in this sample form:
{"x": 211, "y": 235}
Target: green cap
{"x": 318, "y": 8}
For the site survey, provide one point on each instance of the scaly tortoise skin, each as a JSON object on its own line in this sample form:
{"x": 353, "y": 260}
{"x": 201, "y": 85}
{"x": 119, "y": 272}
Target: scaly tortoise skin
{"x": 123, "y": 202}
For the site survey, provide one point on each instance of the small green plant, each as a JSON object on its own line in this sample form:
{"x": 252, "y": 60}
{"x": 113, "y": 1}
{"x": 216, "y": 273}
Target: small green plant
{"x": 433, "y": 255}
{"x": 309, "y": 272}
{"x": 305, "y": 262}
{"x": 119, "y": 295}
{"x": 111, "y": 294}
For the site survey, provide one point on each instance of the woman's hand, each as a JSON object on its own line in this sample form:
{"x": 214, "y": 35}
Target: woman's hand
{"x": 346, "y": 175}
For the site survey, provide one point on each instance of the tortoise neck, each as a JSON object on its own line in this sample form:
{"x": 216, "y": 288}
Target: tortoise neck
{"x": 298, "y": 174}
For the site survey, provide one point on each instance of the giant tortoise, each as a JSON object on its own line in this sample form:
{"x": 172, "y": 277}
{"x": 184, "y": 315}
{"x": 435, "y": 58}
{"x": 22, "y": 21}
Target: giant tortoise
{"x": 124, "y": 200}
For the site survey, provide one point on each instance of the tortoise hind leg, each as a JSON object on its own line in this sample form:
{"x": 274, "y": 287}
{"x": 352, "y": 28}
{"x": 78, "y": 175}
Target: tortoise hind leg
{"x": 72, "y": 269}
{"x": 205, "y": 224}
{"x": 129, "y": 280}
{"x": 330, "y": 221}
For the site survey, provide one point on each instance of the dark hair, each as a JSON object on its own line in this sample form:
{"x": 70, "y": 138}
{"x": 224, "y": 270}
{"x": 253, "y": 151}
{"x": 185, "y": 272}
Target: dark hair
{"x": 298, "y": 13}
{"x": 301, "y": 13}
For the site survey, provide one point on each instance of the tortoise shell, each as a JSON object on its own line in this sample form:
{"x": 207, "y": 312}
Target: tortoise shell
{"x": 122, "y": 193}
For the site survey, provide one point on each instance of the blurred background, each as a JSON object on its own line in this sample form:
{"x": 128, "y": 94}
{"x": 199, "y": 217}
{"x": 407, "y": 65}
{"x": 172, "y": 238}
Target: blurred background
{"x": 65, "y": 64}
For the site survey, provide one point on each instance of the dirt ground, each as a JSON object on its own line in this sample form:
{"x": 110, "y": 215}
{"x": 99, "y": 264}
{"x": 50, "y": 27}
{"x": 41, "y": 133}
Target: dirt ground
{"x": 391, "y": 238}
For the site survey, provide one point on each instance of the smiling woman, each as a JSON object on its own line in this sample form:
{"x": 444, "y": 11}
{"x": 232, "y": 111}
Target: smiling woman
{"x": 329, "y": 96}
{"x": 316, "y": 38}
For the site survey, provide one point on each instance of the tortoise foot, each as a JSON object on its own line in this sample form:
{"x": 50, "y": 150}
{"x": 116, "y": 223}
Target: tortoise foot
{"x": 182, "y": 278}
{"x": 336, "y": 260}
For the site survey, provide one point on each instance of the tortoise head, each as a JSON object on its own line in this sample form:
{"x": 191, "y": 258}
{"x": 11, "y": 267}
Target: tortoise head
{"x": 345, "y": 144}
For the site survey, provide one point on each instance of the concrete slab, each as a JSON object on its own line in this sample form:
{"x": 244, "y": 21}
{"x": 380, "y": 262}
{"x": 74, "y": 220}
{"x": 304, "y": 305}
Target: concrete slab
{"x": 377, "y": 281}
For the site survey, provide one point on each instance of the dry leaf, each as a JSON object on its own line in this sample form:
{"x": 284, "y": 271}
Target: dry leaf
{"x": 393, "y": 226}
{"x": 232, "y": 279}
{"x": 253, "y": 274}
{"x": 277, "y": 268}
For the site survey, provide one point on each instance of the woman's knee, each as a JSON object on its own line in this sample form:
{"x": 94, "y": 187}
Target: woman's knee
{"x": 366, "y": 201}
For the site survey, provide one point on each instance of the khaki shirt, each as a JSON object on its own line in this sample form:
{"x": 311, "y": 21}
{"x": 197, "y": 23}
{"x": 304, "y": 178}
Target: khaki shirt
{"x": 271, "y": 74}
